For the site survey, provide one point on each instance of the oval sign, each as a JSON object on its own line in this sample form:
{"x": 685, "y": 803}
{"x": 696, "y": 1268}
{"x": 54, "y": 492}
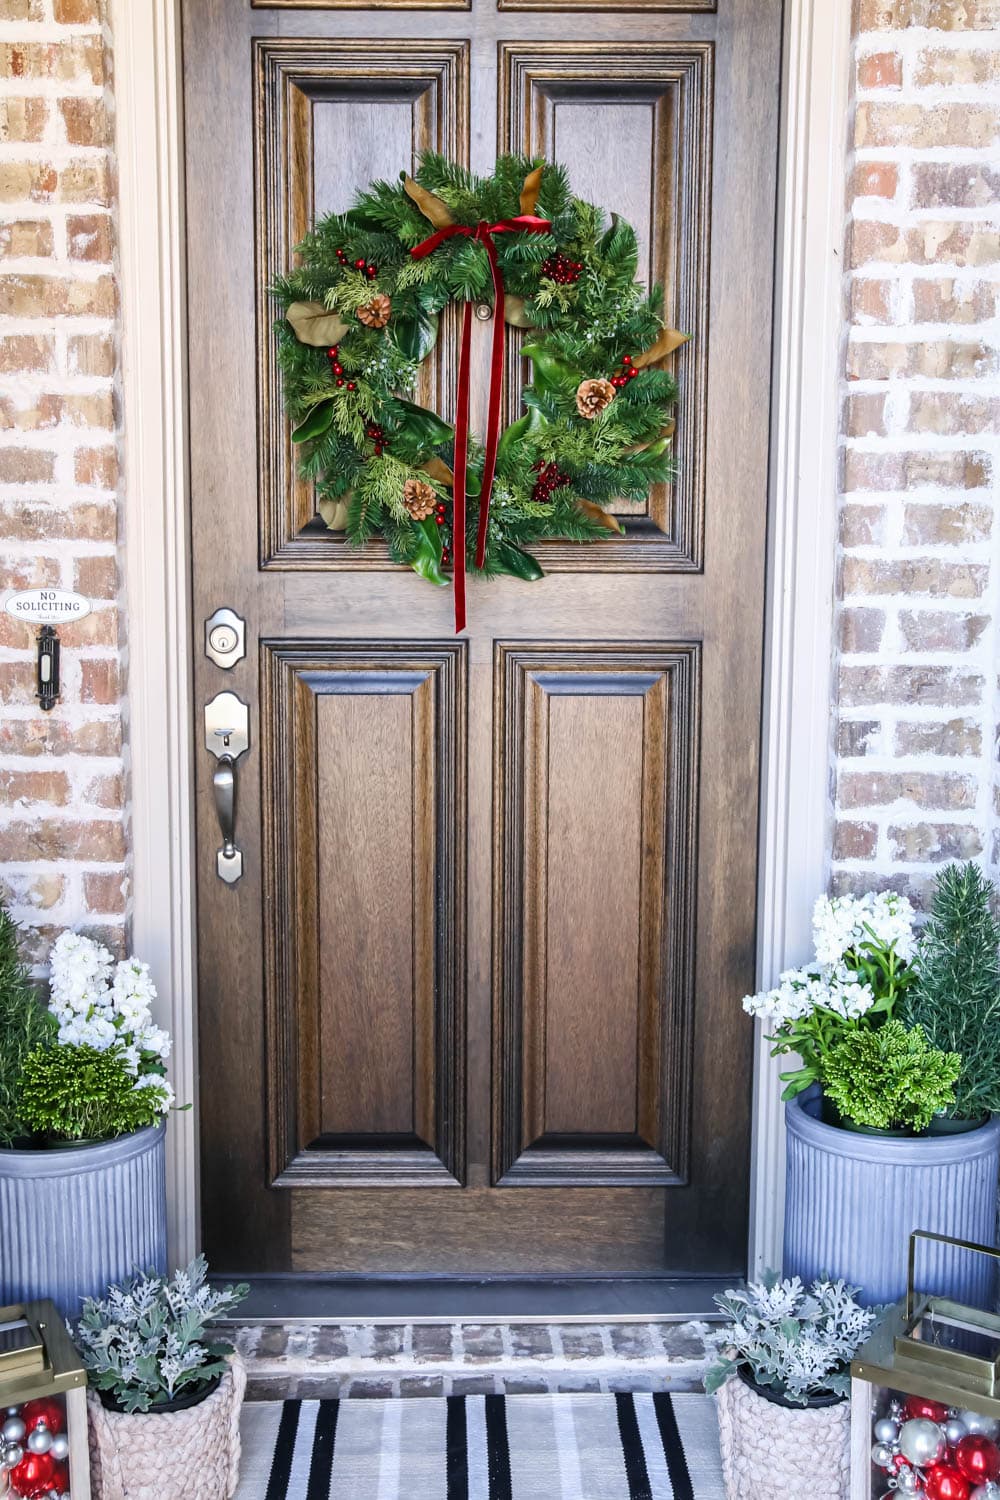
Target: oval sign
{"x": 47, "y": 606}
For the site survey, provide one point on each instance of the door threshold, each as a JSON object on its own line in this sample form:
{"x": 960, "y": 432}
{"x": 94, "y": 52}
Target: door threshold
{"x": 316, "y": 1298}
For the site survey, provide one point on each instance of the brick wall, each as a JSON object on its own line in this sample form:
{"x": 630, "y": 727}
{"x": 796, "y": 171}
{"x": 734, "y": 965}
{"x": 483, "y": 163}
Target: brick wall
{"x": 919, "y": 569}
{"x": 62, "y": 774}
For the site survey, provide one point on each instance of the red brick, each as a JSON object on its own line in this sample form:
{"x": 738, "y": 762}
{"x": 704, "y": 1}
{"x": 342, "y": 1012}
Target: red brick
{"x": 36, "y": 296}
{"x": 21, "y": 181}
{"x": 864, "y": 414}
{"x": 953, "y": 412}
{"x": 97, "y": 577}
{"x": 26, "y": 353}
{"x": 920, "y": 128}
{"x": 26, "y": 237}
{"x": 946, "y": 525}
{"x": 946, "y": 67}
{"x": 99, "y": 681}
{"x": 76, "y": 12}
{"x": 105, "y": 791}
{"x": 91, "y": 354}
{"x": 861, "y": 629}
{"x": 855, "y": 840}
{"x": 26, "y": 466}
{"x": 954, "y": 737}
{"x": 875, "y": 179}
{"x": 39, "y": 521}
{"x": 942, "y": 359}
{"x": 34, "y": 786}
{"x": 941, "y": 630}
{"x": 22, "y": 120}
{"x": 70, "y": 61}
{"x": 85, "y": 120}
{"x": 935, "y": 842}
{"x": 940, "y": 15}
{"x": 59, "y": 839}
{"x": 48, "y": 735}
{"x": 880, "y": 70}
{"x": 97, "y": 467}
{"x": 105, "y": 894}
{"x": 946, "y": 300}
{"x": 934, "y": 686}
{"x": 89, "y": 237}
{"x": 862, "y": 525}
{"x": 871, "y": 301}
{"x": 921, "y": 575}
{"x": 857, "y": 737}
{"x": 922, "y": 788}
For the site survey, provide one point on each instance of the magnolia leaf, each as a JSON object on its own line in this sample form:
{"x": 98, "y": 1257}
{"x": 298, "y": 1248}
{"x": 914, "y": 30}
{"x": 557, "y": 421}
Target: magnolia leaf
{"x": 315, "y": 424}
{"x": 547, "y": 369}
{"x": 425, "y": 427}
{"x": 514, "y": 312}
{"x": 602, "y": 517}
{"x": 436, "y": 468}
{"x": 429, "y": 204}
{"x": 314, "y": 324}
{"x": 334, "y": 512}
{"x": 529, "y": 192}
{"x": 415, "y": 337}
{"x": 427, "y": 558}
{"x": 518, "y": 564}
{"x": 668, "y": 341}
{"x": 524, "y": 427}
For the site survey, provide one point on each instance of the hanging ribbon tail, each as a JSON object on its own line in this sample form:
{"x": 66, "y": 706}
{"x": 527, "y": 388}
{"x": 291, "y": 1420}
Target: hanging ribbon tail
{"x": 461, "y": 465}
{"x": 484, "y": 233}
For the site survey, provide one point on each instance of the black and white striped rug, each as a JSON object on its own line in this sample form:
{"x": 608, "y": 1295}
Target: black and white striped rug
{"x": 557, "y": 1447}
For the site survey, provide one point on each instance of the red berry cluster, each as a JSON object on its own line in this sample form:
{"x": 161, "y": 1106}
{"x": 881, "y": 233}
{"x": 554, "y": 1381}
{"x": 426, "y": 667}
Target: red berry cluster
{"x": 338, "y": 369}
{"x": 625, "y": 372}
{"x": 560, "y": 268}
{"x": 377, "y": 436}
{"x": 359, "y": 265}
{"x": 440, "y": 512}
{"x": 550, "y": 477}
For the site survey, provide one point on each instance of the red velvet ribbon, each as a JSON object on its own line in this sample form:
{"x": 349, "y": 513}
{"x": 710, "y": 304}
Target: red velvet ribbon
{"x": 484, "y": 233}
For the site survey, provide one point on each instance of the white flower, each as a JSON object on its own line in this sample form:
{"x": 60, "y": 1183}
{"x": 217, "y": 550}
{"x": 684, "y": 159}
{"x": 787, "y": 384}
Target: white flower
{"x": 160, "y": 1086}
{"x": 841, "y": 923}
{"x": 801, "y": 991}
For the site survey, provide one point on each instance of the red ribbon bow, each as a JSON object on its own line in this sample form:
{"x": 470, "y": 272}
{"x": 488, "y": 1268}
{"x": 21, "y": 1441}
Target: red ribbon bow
{"x": 484, "y": 233}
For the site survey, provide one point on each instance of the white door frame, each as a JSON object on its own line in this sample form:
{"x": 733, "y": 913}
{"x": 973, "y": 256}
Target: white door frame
{"x": 795, "y": 811}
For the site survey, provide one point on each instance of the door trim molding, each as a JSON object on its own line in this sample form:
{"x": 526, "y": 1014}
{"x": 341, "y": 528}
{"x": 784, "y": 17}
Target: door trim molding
{"x": 795, "y": 809}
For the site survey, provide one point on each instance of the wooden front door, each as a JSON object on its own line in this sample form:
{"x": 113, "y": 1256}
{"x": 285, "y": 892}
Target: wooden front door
{"x": 474, "y": 1005}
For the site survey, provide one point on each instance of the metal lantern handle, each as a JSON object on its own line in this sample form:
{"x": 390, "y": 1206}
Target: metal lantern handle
{"x": 941, "y": 1239}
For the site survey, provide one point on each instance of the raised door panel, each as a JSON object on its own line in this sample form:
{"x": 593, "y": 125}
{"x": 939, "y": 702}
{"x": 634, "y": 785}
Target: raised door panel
{"x": 331, "y": 115}
{"x": 363, "y": 765}
{"x": 597, "y": 752}
{"x": 632, "y": 125}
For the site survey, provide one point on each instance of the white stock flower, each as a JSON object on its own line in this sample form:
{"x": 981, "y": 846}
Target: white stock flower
{"x": 841, "y": 923}
{"x": 801, "y": 991}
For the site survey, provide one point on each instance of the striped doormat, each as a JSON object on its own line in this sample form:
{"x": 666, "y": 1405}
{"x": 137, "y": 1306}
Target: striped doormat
{"x": 555, "y": 1447}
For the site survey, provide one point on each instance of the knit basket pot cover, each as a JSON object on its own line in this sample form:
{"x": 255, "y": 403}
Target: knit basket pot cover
{"x": 192, "y": 1454}
{"x": 770, "y": 1450}
{"x": 75, "y": 1219}
{"x": 852, "y": 1201}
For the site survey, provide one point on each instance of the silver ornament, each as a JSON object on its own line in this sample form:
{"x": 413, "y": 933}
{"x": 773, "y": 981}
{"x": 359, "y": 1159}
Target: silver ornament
{"x": 60, "y": 1447}
{"x": 921, "y": 1441}
{"x": 907, "y": 1482}
{"x": 39, "y": 1439}
{"x": 980, "y": 1425}
{"x": 12, "y": 1455}
{"x": 885, "y": 1430}
{"x": 12, "y": 1430}
{"x": 987, "y": 1491}
{"x": 882, "y": 1455}
{"x": 955, "y": 1430}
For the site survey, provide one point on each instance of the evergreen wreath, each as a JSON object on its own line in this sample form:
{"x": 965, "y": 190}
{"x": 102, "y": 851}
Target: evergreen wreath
{"x": 361, "y": 311}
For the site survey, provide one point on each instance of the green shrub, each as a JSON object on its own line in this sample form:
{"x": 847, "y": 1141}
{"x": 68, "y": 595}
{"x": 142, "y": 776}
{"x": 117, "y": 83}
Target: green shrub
{"x": 890, "y": 1078}
{"x": 79, "y": 1094}
{"x": 956, "y": 998}
{"x": 25, "y": 1025}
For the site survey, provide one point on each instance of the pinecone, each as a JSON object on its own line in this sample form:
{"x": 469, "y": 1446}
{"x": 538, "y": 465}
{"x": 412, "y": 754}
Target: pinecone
{"x": 592, "y": 396}
{"x": 375, "y": 314}
{"x": 419, "y": 499}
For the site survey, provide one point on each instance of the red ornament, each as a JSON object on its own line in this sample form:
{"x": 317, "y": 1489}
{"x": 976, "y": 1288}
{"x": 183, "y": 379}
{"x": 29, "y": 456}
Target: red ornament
{"x": 44, "y": 1409}
{"x": 33, "y": 1476}
{"x": 60, "y": 1479}
{"x": 978, "y": 1458}
{"x": 923, "y": 1406}
{"x": 942, "y": 1482}
{"x": 351, "y": 386}
{"x": 561, "y": 269}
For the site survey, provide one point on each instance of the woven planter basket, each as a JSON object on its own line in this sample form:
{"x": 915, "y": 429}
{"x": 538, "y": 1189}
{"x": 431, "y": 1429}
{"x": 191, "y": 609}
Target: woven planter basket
{"x": 778, "y": 1450}
{"x": 177, "y": 1455}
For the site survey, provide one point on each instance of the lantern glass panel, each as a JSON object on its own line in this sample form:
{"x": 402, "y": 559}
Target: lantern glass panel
{"x": 43, "y": 1408}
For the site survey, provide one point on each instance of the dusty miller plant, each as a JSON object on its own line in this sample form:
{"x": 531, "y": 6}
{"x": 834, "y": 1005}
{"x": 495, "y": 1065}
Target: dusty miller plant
{"x": 794, "y": 1343}
{"x": 147, "y": 1341}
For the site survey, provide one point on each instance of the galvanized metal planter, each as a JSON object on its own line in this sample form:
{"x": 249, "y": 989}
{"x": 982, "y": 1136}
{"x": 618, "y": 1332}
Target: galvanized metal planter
{"x": 853, "y": 1200}
{"x": 75, "y": 1218}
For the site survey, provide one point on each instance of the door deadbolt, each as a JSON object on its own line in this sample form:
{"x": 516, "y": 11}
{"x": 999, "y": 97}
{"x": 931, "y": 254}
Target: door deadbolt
{"x": 225, "y": 638}
{"x": 227, "y": 736}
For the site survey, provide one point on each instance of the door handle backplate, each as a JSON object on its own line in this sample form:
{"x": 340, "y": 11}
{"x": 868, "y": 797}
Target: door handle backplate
{"x": 227, "y": 736}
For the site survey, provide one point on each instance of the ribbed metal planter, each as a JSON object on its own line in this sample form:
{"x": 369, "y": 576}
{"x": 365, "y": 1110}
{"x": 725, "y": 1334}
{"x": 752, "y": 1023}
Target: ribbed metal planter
{"x": 76, "y": 1218}
{"x": 852, "y": 1201}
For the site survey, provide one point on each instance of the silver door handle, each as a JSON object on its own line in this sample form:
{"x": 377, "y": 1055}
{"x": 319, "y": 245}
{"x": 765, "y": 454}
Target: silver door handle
{"x": 229, "y": 859}
{"x": 227, "y": 735}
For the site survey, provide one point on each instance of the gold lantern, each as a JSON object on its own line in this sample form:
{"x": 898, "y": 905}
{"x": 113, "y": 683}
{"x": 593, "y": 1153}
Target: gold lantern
{"x": 43, "y": 1407}
{"x": 925, "y": 1415}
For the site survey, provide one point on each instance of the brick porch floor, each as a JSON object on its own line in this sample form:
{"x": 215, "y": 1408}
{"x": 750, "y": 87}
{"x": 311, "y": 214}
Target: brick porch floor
{"x": 439, "y": 1359}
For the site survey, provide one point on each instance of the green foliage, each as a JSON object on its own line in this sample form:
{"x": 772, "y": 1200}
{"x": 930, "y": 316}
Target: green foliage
{"x": 24, "y": 1026}
{"x": 956, "y": 998}
{"x": 580, "y": 331}
{"x": 148, "y": 1342}
{"x": 890, "y": 1078}
{"x": 73, "y": 1093}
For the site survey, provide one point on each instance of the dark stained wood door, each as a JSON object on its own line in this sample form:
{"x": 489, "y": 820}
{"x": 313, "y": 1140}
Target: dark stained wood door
{"x": 474, "y": 1006}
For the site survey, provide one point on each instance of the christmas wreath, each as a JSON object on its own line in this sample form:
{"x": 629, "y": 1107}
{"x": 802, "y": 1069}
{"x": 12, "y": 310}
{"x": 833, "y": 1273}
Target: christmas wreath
{"x": 361, "y": 311}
